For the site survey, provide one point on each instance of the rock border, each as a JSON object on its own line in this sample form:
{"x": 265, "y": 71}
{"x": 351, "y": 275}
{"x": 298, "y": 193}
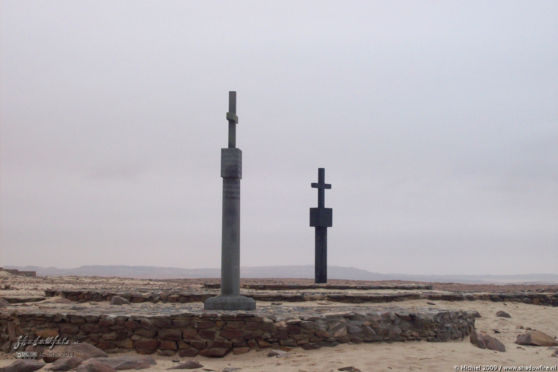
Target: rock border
{"x": 547, "y": 299}
{"x": 214, "y": 334}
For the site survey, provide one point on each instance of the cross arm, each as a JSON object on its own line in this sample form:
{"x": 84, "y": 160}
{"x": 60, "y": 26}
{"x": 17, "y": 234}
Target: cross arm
{"x": 231, "y": 117}
{"x": 321, "y": 185}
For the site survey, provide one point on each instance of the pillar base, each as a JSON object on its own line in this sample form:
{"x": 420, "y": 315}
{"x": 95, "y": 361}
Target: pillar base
{"x": 230, "y": 302}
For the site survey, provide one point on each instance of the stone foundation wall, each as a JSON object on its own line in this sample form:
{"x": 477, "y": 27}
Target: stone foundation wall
{"x": 548, "y": 299}
{"x": 283, "y": 286}
{"x": 215, "y": 334}
{"x": 94, "y": 296}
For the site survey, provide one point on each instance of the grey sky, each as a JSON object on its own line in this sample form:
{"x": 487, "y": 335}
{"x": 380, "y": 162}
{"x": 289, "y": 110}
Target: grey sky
{"x": 436, "y": 121}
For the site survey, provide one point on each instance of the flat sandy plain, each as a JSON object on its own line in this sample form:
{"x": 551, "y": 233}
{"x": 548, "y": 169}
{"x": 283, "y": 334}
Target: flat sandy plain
{"x": 406, "y": 356}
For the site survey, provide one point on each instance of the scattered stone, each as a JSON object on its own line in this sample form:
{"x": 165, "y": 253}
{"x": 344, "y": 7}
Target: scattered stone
{"x": 503, "y": 314}
{"x": 349, "y": 369}
{"x": 47, "y": 332}
{"x": 241, "y": 350}
{"x": 496, "y": 331}
{"x": 276, "y": 353}
{"x": 166, "y": 352}
{"x": 23, "y": 365}
{"x": 230, "y": 369}
{"x": 119, "y": 300}
{"x": 536, "y": 338}
{"x": 277, "y": 303}
{"x": 555, "y": 354}
{"x": 494, "y": 344}
{"x": 188, "y": 352}
{"x": 431, "y": 303}
{"x": 34, "y": 348}
{"x": 3, "y": 302}
{"x": 146, "y": 345}
{"x": 128, "y": 362}
{"x": 57, "y": 300}
{"x": 263, "y": 344}
{"x": 484, "y": 341}
{"x": 190, "y": 364}
{"x": 172, "y": 334}
{"x": 65, "y": 364}
{"x": 93, "y": 365}
{"x": 82, "y": 350}
{"x": 214, "y": 352}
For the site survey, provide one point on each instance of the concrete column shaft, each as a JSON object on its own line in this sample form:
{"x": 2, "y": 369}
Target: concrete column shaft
{"x": 321, "y": 255}
{"x": 230, "y": 246}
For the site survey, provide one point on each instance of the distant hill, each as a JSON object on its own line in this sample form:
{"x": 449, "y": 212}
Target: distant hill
{"x": 334, "y": 272}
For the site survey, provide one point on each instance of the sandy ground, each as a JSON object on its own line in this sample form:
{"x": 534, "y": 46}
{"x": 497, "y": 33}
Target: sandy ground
{"x": 14, "y": 286}
{"x": 407, "y": 356}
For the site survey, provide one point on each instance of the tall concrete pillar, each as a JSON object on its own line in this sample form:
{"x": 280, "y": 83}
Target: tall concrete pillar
{"x": 231, "y": 172}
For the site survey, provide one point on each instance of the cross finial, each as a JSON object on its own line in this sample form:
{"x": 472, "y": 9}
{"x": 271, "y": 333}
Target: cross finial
{"x": 321, "y": 186}
{"x": 232, "y": 118}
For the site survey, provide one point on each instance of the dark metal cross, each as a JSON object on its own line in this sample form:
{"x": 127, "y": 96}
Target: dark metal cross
{"x": 321, "y": 186}
{"x": 321, "y": 218}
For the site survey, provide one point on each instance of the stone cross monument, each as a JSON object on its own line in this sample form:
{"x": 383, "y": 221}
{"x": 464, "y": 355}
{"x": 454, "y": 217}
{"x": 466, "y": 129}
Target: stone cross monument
{"x": 321, "y": 219}
{"x": 231, "y": 172}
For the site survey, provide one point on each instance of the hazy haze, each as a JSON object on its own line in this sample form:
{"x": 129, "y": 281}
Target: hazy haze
{"x": 437, "y": 123}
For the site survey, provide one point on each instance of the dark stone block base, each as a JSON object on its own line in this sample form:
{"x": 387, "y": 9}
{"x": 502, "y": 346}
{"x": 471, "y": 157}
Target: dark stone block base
{"x": 233, "y": 302}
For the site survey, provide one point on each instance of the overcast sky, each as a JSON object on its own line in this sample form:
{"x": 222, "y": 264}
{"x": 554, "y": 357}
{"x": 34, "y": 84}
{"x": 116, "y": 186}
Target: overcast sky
{"x": 436, "y": 121}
